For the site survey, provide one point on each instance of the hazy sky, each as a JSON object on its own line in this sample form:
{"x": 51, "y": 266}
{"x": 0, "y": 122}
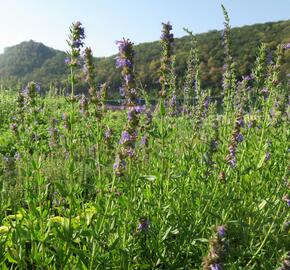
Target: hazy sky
{"x": 106, "y": 21}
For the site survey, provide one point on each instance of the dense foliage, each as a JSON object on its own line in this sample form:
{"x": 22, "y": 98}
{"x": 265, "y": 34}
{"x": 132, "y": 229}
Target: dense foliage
{"x": 190, "y": 185}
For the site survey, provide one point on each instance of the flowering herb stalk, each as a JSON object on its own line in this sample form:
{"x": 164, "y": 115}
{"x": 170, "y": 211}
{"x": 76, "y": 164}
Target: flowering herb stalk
{"x": 54, "y": 134}
{"x": 236, "y": 138}
{"x": 191, "y": 86}
{"x": 214, "y": 259}
{"x": 165, "y": 79}
{"x": 75, "y": 42}
{"x": 84, "y": 106}
{"x": 94, "y": 94}
{"x": 166, "y": 60}
{"x": 229, "y": 77}
{"x": 125, "y": 60}
{"x": 273, "y": 84}
{"x": 97, "y": 98}
{"x": 259, "y": 74}
{"x": 146, "y": 127}
{"x": 172, "y": 90}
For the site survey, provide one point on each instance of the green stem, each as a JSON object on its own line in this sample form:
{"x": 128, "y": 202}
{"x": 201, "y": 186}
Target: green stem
{"x": 265, "y": 239}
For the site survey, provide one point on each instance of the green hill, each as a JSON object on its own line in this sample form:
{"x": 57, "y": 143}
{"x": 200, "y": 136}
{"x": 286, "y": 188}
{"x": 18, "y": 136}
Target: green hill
{"x": 35, "y": 61}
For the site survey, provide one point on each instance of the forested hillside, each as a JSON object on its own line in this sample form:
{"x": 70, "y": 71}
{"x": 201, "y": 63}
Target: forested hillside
{"x": 34, "y": 61}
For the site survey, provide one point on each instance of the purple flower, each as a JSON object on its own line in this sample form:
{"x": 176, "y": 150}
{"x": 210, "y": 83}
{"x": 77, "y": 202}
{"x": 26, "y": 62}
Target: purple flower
{"x": 13, "y": 127}
{"x": 232, "y": 150}
{"x": 123, "y": 45}
{"x": 143, "y": 224}
{"x": 80, "y": 29}
{"x": 119, "y": 165}
{"x": 248, "y": 78}
{"x": 37, "y": 87}
{"x": 125, "y": 137}
{"x": 53, "y": 131}
{"x": 268, "y": 156}
{"x": 241, "y": 122}
{"x": 116, "y": 164}
{"x": 67, "y": 60}
{"x": 122, "y": 91}
{"x": 286, "y": 46}
{"x": 133, "y": 112}
{"x": 165, "y": 36}
{"x": 250, "y": 125}
{"x": 121, "y": 62}
{"x": 272, "y": 113}
{"x": 144, "y": 140}
{"x": 233, "y": 162}
{"x": 173, "y": 101}
{"x": 286, "y": 199}
{"x": 240, "y": 137}
{"x": 25, "y": 90}
{"x": 78, "y": 34}
{"x": 139, "y": 109}
{"x": 206, "y": 103}
{"x": 108, "y": 134}
{"x": 78, "y": 44}
{"x": 265, "y": 92}
{"x": 216, "y": 266}
{"x": 128, "y": 78}
{"x": 221, "y": 230}
{"x": 130, "y": 152}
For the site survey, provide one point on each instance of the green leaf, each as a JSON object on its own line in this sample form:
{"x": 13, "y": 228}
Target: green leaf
{"x": 148, "y": 177}
{"x": 162, "y": 108}
{"x": 166, "y": 233}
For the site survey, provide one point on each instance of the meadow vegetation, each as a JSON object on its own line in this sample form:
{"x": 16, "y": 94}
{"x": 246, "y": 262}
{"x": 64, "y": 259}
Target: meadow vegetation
{"x": 197, "y": 184}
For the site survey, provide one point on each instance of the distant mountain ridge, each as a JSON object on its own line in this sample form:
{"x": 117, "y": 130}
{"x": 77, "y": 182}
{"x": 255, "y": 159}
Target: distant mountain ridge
{"x": 32, "y": 60}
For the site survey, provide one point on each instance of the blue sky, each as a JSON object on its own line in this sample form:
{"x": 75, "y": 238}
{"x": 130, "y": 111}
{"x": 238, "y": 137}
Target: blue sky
{"x": 106, "y": 21}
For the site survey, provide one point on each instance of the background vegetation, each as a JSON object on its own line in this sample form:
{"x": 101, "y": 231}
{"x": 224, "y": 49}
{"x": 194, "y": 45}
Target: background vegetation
{"x": 34, "y": 61}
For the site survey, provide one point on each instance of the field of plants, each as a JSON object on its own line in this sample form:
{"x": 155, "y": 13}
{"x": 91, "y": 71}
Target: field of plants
{"x": 198, "y": 184}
